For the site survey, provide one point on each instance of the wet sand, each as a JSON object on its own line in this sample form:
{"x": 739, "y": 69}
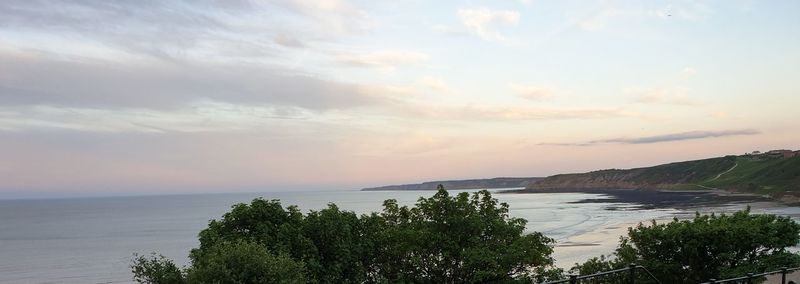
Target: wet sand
{"x": 653, "y": 199}
{"x": 605, "y": 238}
{"x": 581, "y": 247}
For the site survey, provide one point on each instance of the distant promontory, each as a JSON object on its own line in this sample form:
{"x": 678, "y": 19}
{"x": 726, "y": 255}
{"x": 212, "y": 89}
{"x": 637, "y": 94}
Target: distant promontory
{"x": 499, "y": 182}
{"x": 775, "y": 173}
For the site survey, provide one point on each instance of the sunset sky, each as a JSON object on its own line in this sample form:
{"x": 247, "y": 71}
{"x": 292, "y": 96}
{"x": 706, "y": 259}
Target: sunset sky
{"x": 144, "y": 97}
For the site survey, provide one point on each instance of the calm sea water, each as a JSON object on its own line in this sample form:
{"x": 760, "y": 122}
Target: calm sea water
{"x": 91, "y": 240}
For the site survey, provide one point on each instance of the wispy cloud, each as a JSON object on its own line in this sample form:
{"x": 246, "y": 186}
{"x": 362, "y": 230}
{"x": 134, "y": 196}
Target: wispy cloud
{"x": 609, "y": 13}
{"x": 199, "y": 117}
{"x": 480, "y": 21}
{"x": 385, "y": 59}
{"x": 492, "y": 113}
{"x": 533, "y": 92}
{"x": 669, "y": 96}
{"x": 177, "y": 29}
{"x": 433, "y": 83}
{"x": 49, "y": 80}
{"x": 447, "y": 30}
{"x": 331, "y": 17}
{"x": 288, "y": 41}
{"x": 690, "y": 135}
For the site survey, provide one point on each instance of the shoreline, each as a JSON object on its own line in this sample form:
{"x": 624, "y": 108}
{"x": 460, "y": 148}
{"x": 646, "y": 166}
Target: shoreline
{"x": 678, "y": 204}
{"x": 578, "y": 248}
{"x": 604, "y": 239}
{"x": 660, "y": 198}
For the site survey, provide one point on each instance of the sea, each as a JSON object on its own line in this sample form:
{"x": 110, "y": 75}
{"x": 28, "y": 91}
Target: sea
{"x": 92, "y": 240}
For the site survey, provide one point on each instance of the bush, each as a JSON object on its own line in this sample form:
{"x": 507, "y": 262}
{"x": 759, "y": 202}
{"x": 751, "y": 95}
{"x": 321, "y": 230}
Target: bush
{"x": 706, "y": 247}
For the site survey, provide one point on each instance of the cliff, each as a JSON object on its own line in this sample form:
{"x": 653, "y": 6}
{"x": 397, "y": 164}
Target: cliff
{"x": 657, "y": 177}
{"x": 755, "y": 174}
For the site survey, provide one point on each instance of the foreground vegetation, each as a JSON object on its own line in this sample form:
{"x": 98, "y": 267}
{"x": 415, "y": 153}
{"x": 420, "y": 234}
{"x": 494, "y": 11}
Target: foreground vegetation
{"x": 467, "y": 238}
{"x": 709, "y": 246}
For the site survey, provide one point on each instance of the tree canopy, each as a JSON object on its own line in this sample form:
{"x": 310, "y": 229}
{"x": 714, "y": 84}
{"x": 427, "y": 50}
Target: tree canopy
{"x": 463, "y": 238}
{"x": 458, "y": 239}
{"x": 467, "y": 238}
{"x": 706, "y": 247}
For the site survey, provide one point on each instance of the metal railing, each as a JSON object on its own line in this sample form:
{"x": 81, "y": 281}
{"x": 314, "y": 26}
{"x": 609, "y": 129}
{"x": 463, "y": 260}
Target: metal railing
{"x": 751, "y": 276}
{"x": 631, "y": 277}
{"x": 631, "y": 270}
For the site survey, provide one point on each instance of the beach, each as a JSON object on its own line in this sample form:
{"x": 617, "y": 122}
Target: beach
{"x": 681, "y": 205}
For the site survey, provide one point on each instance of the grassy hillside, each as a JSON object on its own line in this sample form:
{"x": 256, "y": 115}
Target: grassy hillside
{"x": 662, "y": 176}
{"x": 760, "y": 175}
{"x": 740, "y": 173}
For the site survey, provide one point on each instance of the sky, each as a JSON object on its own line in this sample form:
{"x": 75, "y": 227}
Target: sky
{"x": 150, "y": 97}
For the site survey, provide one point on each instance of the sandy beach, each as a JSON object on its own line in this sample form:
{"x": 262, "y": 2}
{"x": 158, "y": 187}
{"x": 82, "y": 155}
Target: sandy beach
{"x": 604, "y": 238}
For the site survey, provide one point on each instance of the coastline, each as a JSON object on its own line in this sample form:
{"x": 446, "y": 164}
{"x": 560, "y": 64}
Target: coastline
{"x": 578, "y": 248}
{"x": 660, "y": 198}
{"x": 603, "y": 239}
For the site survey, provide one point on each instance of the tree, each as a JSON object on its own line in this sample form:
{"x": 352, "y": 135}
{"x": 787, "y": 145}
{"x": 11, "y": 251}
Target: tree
{"x": 339, "y": 240}
{"x": 706, "y": 247}
{"x": 443, "y": 239}
{"x": 155, "y": 269}
{"x": 244, "y": 262}
{"x": 328, "y": 241}
{"x": 461, "y": 239}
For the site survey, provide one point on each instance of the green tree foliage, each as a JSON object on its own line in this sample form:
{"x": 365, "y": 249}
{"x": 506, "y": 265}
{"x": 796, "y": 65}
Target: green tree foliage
{"x": 709, "y": 246}
{"x": 244, "y": 262}
{"x": 155, "y": 269}
{"x": 461, "y": 239}
{"x": 328, "y": 241}
{"x": 443, "y": 239}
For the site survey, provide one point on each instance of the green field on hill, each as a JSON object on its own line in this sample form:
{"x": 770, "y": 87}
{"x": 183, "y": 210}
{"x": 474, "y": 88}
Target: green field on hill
{"x": 764, "y": 175}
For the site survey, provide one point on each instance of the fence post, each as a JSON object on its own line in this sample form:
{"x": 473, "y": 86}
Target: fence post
{"x": 632, "y": 275}
{"x": 783, "y": 275}
{"x": 749, "y": 278}
{"x": 573, "y": 279}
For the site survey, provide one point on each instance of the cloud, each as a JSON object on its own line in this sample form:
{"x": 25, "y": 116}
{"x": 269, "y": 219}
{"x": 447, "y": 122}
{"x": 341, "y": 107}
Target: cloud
{"x": 533, "y": 92}
{"x": 447, "y": 30}
{"x": 609, "y": 13}
{"x": 433, "y": 83}
{"x": 336, "y": 17}
{"x": 288, "y": 41}
{"x": 494, "y": 113}
{"x": 691, "y": 135}
{"x": 669, "y": 96}
{"x": 480, "y": 21}
{"x": 198, "y": 117}
{"x": 155, "y": 28}
{"x": 50, "y": 80}
{"x": 177, "y": 29}
{"x": 385, "y": 59}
